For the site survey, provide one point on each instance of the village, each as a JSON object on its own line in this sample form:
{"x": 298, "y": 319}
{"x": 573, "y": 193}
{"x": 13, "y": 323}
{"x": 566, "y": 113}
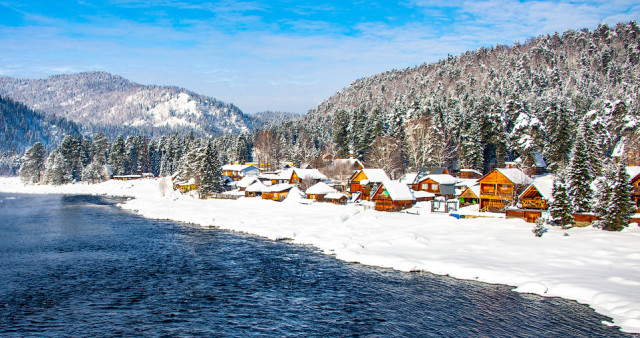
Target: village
{"x": 515, "y": 191}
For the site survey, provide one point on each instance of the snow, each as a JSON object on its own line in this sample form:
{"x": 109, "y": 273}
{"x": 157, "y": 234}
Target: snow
{"x": 423, "y": 194}
{"x": 633, "y": 172}
{"x": 471, "y": 171}
{"x": 515, "y": 175}
{"x": 441, "y": 178}
{"x": 312, "y": 174}
{"x": 544, "y": 185}
{"x": 247, "y": 181}
{"x": 397, "y": 190}
{"x": 239, "y": 167}
{"x": 320, "y": 188}
{"x": 334, "y": 196}
{"x": 591, "y": 266}
{"x": 257, "y": 187}
{"x": 279, "y": 187}
{"x": 375, "y": 175}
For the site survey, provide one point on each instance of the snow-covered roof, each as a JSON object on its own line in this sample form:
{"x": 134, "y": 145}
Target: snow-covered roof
{"x": 335, "y": 196}
{"x": 246, "y": 181}
{"x": 633, "y": 171}
{"x": 397, "y": 190}
{"x": 375, "y": 175}
{"x": 189, "y": 182}
{"x": 441, "y": 178}
{"x": 313, "y": 174}
{"x": 320, "y": 188}
{"x": 544, "y": 185}
{"x": 466, "y": 182}
{"x": 515, "y": 175}
{"x": 127, "y": 176}
{"x": 422, "y": 194}
{"x": 470, "y": 171}
{"x": 257, "y": 187}
{"x": 269, "y": 176}
{"x": 279, "y": 187}
{"x": 346, "y": 161}
{"x": 238, "y": 167}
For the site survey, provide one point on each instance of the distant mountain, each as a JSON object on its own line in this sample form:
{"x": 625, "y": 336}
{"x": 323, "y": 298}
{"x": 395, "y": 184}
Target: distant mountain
{"x": 261, "y": 120}
{"x": 102, "y": 101}
{"x": 21, "y": 127}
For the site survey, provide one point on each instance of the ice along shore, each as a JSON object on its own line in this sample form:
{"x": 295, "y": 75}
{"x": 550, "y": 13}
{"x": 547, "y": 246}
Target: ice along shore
{"x": 591, "y": 266}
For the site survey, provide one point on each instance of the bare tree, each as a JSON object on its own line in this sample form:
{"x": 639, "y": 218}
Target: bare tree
{"x": 418, "y": 143}
{"x": 386, "y": 154}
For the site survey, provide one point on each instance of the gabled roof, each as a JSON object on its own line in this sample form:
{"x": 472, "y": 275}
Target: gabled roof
{"x": 474, "y": 189}
{"x": 633, "y": 172}
{"x": 257, "y": 187}
{"x": 440, "y": 178}
{"x": 538, "y": 161}
{"x": 470, "y": 171}
{"x": 374, "y": 175}
{"x": 346, "y": 161}
{"x": 320, "y": 188}
{"x": 246, "y": 181}
{"x": 544, "y": 185}
{"x": 279, "y": 187}
{"x": 425, "y": 171}
{"x": 312, "y": 174}
{"x": 335, "y": 196}
{"x": 422, "y": 194}
{"x": 516, "y": 176}
{"x": 408, "y": 178}
{"x": 397, "y": 190}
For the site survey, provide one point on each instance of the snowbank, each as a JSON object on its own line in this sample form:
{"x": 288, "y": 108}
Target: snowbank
{"x": 591, "y": 266}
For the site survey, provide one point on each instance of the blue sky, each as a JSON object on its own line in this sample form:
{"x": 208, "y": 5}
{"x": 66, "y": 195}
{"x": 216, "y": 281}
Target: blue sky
{"x": 270, "y": 55}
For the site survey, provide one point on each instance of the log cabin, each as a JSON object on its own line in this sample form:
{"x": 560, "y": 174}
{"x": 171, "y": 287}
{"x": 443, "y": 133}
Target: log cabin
{"x": 469, "y": 174}
{"x": 538, "y": 195}
{"x": 425, "y": 171}
{"x": 438, "y": 184}
{"x": 297, "y": 175}
{"x": 336, "y": 198}
{"x": 392, "y": 196}
{"x": 256, "y": 189}
{"x": 365, "y": 180}
{"x": 470, "y": 196}
{"x": 500, "y": 188}
{"x": 318, "y": 191}
{"x": 634, "y": 174}
{"x": 277, "y": 192}
{"x": 237, "y": 171}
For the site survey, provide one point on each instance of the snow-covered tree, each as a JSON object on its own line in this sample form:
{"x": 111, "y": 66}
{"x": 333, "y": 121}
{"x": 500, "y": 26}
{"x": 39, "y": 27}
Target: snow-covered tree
{"x": 118, "y": 156}
{"x": 580, "y": 174}
{"x": 57, "y": 169}
{"x": 209, "y": 173}
{"x": 615, "y": 205}
{"x": 561, "y": 209}
{"x": 33, "y": 164}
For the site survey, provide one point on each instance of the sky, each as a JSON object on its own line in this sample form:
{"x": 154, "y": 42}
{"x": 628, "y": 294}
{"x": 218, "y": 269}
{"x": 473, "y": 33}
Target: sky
{"x": 280, "y": 55}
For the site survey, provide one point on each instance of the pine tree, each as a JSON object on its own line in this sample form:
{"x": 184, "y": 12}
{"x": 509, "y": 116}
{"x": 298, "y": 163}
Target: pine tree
{"x": 100, "y": 148}
{"x": 580, "y": 174}
{"x": 57, "y": 169}
{"x": 615, "y": 199}
{"x": 70, "y": 149}
{"x": 32, "y": 167}
{"x": 117, "y": 156}
{"x": 561, "y": 210}
{"x": 209, "y": 174}
{"x": 94, "y": 173}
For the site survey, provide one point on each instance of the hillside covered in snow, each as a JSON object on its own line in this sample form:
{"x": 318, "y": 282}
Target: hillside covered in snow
{"x": 102, "y": 101}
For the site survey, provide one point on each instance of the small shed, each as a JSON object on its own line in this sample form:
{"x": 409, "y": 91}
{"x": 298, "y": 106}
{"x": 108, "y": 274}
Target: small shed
{"x": 470, "y": 196}
{"x": 392, "y": 196}
{"x": 277, "y": 192}
{"x": 319, "y": 190}
{"x": 336, "y": 198}
{"x": 256, "y": 189}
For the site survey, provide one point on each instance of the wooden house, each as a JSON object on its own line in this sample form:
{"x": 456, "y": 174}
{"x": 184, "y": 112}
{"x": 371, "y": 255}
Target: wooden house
{"x": 470, "y": 196}
{"x": 469, "y": 174}
{"x": 297, "y": 175}
{"x": 634, "y": 173}
{"x": 426, "y": 171}
{"x": 237, "y": 171}
{"x": 438, "y": 184}
{"x": 538, "y": 195}
{"x": 277, "y": 192}
{"x": 187, "y": 186}
{"x": 318, "y": 191}
{"x": 336, "y": 198}
{"x": 365, "y": 180}
{"x": 392, "y": 196}
{"x": 532, "y": 164}
{"x": 255, "y": 190}
{"x": 500, "y": 188}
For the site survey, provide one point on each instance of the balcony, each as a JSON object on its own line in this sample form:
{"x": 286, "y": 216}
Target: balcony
{"x": 534, "y": 204}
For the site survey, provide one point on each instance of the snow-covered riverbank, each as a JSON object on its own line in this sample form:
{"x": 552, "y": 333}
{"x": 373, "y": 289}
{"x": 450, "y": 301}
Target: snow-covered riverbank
{"x": 594, "y": 267}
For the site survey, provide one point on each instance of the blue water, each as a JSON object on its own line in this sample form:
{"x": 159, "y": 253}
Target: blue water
{"x": 78, "y": 265}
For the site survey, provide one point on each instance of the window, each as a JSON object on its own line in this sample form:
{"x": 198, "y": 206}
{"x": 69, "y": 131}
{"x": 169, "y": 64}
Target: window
{"x": 424, "y": 186}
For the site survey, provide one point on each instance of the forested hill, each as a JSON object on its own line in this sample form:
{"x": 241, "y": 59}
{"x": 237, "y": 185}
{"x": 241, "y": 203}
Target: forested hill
{"x": 21, "y": 127}
{"x": 110, "y": 103}
{"x": 495, "y": 104}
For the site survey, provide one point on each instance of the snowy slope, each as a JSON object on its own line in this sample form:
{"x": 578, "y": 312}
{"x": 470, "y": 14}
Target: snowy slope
{"x": 592, "y": 266}
{"x": 100, "y": 98}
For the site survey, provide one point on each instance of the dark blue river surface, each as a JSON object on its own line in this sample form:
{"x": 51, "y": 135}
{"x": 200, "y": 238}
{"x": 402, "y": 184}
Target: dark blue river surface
{"x": 78, "y": 265}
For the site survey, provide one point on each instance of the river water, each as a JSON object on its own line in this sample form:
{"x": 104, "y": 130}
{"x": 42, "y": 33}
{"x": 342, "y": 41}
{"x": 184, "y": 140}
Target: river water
{"x": 78, "y": 265}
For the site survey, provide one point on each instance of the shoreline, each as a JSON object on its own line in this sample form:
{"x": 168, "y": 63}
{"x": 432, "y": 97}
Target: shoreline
{"x": 590, "y": 266}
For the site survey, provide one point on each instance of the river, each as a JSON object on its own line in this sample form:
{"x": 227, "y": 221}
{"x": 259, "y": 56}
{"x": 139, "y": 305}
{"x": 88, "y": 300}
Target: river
{"x": 78, "y": 265}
